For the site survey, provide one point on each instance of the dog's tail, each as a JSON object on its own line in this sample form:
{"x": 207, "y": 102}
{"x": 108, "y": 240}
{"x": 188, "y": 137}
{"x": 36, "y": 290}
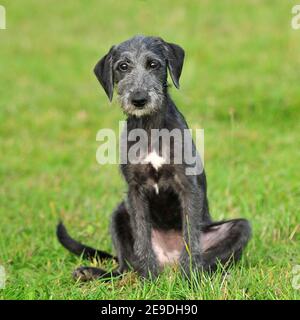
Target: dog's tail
{"x": 78, "y": 248}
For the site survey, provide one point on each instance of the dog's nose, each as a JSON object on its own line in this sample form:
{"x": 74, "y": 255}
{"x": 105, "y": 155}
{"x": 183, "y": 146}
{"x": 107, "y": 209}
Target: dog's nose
{"x": 139, "y": 99}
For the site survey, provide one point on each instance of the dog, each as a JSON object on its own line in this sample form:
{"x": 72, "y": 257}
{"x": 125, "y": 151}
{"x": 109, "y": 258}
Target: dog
{"x": 165, "y": 217}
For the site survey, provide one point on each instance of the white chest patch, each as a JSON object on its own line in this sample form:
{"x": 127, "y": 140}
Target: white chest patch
{"x": 155, "y": 160}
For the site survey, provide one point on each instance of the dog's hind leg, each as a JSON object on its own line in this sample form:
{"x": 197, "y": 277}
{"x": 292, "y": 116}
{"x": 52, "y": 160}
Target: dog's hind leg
{"x": 123, "y": 243}
{"x": 224, "y": 242}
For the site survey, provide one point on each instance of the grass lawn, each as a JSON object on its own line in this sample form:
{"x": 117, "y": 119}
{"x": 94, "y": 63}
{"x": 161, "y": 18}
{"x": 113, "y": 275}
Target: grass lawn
{"x": 240, "y": 83}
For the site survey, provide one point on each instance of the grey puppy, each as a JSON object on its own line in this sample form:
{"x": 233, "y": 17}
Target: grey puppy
{"x": 165, "y": 217}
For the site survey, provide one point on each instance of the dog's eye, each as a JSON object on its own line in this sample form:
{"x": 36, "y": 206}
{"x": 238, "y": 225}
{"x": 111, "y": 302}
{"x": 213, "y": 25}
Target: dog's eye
{"x": 123, "y": 66}
{"x": 153, "y": 64}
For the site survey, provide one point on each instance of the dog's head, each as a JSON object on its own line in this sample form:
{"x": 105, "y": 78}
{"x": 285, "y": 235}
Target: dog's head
{"x": 138, "y": 67}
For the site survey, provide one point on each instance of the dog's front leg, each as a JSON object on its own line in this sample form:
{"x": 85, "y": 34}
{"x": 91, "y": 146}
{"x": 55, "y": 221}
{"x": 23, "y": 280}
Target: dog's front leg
{"x": 138, "y": 207}
{"x": 192, "y": 214}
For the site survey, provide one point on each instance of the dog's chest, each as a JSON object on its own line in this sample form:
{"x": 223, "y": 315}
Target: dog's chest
{"x": 155, "y": 163}
{"x": 153, "y": 171}
{"x": 155, "y": 160}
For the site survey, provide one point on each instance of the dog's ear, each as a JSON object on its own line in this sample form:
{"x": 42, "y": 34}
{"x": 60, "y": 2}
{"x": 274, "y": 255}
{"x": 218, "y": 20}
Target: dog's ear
{"x": 175, "y": 58}
{"x": 104, "y": 73}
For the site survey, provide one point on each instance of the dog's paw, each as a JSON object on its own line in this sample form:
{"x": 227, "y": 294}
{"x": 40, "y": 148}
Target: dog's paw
{"x": 87, "y": 273}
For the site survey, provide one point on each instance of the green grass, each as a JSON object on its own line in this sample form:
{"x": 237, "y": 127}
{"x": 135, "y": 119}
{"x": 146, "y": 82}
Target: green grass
{"x": 240, "y": 83}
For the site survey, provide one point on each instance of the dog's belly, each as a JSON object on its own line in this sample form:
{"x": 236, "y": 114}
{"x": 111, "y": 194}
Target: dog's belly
{"x": 167, "y": 245}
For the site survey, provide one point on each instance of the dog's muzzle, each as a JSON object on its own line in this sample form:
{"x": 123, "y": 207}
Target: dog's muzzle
{"x": 139, "y": 98}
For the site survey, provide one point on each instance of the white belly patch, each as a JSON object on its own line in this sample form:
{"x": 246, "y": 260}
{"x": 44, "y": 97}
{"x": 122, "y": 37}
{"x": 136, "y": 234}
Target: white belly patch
{"x": 167, "y": 246}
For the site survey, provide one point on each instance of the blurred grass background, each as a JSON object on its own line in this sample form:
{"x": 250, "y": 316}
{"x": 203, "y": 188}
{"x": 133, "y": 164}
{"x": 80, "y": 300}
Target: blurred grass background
{"x": 240, "y": 83}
